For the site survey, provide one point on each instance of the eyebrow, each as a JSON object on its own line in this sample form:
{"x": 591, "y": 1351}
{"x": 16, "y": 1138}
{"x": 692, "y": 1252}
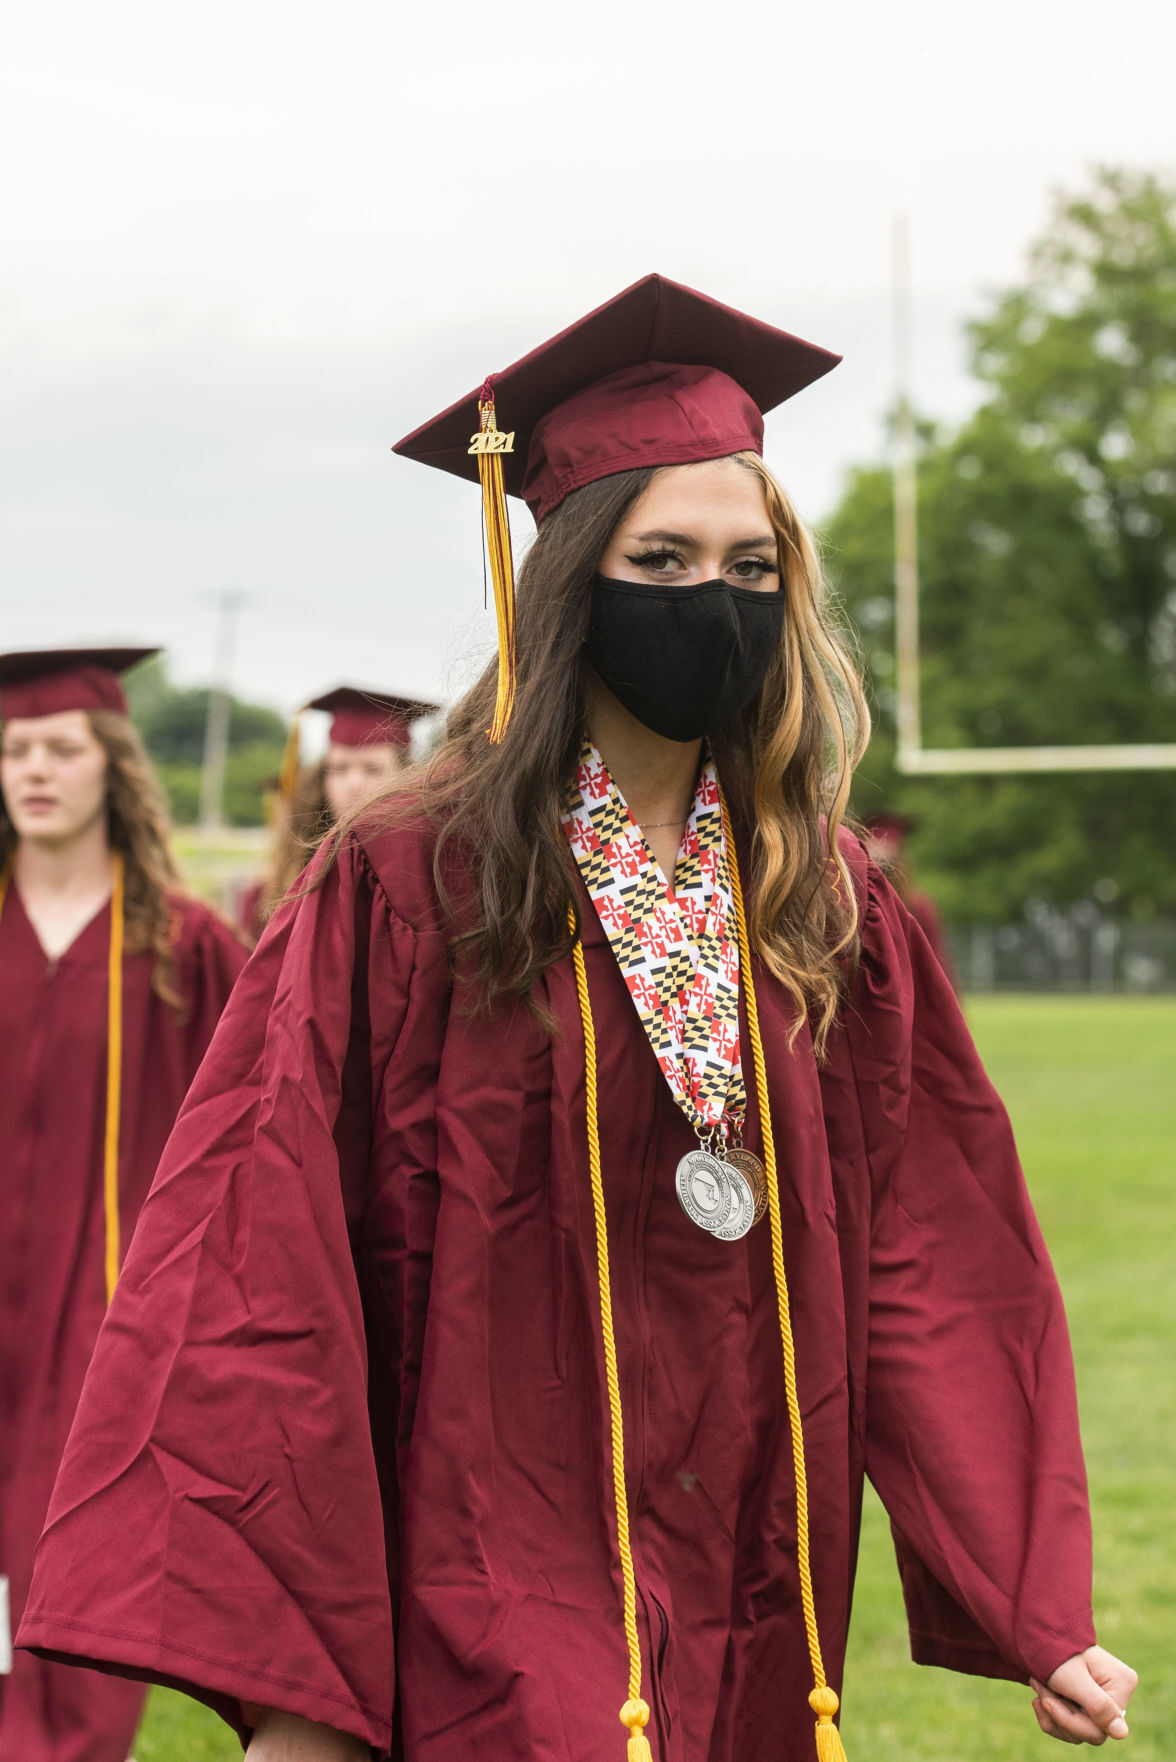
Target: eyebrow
{"x": 684, "y": 539}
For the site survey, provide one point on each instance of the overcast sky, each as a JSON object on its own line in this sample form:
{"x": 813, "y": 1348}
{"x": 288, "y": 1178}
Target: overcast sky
{"x": 246, "y": 246}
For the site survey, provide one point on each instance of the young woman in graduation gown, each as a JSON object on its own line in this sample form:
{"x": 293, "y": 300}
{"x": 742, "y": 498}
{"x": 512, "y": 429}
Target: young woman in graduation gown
{"x": 454, "y": 1399}
{"x": 367, "y": 750}
{"x": 111, "y": 983}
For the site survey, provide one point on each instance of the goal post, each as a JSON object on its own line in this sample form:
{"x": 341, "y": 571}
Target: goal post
{"x": 912, "y": 757}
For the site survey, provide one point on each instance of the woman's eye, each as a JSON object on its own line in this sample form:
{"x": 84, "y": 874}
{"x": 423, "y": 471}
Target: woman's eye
{"x": 657, "y": 562}
{"x": 753, "y": 568}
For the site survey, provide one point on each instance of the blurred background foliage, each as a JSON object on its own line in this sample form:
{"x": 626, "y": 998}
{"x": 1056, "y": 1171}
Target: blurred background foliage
{"x": 1047, "y": 528}
{"x": 171, "y": 718}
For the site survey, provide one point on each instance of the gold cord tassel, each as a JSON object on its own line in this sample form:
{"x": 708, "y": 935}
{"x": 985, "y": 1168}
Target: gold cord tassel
{"x": 489, "y": 445}
{"x": 635, "y": 1712}
{"x": 635, "y": 1715}
{"x": 824, "y": 1704}
{"x": 823, "y": 1700}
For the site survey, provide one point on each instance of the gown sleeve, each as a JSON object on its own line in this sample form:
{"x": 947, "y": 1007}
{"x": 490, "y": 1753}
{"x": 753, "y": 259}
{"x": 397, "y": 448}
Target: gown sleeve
{"x": 211, "y": 959}
{"x": 217, "y": 1521}
{"x": 972, "y": 1437}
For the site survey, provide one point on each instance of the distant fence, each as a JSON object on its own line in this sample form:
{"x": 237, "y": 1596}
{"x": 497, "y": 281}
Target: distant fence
{"x": 1077, "y": 950}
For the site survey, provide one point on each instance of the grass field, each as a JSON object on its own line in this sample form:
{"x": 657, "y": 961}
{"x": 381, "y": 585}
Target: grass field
{"x": 1091, "y": 1085}
{"x": 219, "y": 866}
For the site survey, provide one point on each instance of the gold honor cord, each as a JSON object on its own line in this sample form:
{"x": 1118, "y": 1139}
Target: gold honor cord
{"x": 114, "y": 979}
{"x": 114, "y": 1025}
{"x": 488, "y": 446}
{"x": 635, "y": 1712}
{"x": 823, "y": 1700}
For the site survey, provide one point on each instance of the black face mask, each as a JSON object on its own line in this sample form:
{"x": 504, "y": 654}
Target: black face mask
{"x": 683, "y": 660}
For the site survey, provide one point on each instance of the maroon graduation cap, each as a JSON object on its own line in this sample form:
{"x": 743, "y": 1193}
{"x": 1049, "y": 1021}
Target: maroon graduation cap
{"x": 358, "y": 718}
{"x": 362, "y": 717}
{"x": 660, "y": 375}
{"x": 43, "y": 682}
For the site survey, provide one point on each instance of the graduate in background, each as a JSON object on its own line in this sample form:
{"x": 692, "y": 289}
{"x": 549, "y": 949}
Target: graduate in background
{"x": 111, "y": 983}
{"x": 368, "y": 747}
{"x": 550, "y": 1213}
{"x": 886, "y": 842}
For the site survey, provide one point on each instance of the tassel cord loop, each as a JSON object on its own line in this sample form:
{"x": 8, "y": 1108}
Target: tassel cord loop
{"x": 823, "y": 1699}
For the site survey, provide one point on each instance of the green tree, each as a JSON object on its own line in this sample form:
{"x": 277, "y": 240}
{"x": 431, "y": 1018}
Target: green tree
{"x": 171, "y": 720}
{"x": 1048, "y": 574}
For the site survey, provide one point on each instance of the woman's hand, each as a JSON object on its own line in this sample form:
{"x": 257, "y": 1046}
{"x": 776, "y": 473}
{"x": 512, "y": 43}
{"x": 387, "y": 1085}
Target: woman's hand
{"x": 281, "y": 1737}
{"x": 1086, "y": 1698}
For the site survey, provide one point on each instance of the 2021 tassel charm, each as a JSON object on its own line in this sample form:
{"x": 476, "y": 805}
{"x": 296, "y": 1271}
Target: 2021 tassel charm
{"x": 488, "y": 446}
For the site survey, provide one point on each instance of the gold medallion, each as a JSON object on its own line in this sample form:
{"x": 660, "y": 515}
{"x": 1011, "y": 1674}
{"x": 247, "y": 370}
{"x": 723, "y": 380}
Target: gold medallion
{"x": 752, "y": 1170}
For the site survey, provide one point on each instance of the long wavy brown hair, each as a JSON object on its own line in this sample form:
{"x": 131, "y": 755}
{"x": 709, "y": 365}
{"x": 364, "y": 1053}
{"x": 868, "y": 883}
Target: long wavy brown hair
{"x": 786, "y": 764}
{"x": 138, "y": 827}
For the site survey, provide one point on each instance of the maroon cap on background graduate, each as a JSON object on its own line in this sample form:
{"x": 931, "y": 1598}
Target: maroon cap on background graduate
{"x": 660, "y": 375}
{"x": 43, "y": 682}
{"x": 360, "y": 717}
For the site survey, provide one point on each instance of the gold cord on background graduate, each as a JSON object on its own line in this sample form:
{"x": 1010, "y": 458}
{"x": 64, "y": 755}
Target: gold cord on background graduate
{"x": 635, "y": 1712}
{"x": 823, "y": 1700}
{"x": 114, "y": 1014}
{"x": 291, "y": 756}
{"x": 489, "y": 445}
{"x": 113, "y": 1067}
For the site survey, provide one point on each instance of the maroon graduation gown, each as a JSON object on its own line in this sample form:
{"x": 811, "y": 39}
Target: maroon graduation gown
{"x": 250, "y": 915}
{"x": 53, "y": 1036}
{"x": 925, "y": 912}
{"x": 343, "y": 1449}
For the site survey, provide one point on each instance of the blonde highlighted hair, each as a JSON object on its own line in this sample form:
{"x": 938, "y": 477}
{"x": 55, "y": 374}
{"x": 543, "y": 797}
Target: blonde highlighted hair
{"x": 807, "y": 734}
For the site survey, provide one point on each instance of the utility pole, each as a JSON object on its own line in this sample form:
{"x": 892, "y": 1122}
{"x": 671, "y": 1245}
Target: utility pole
{"x": 216, "y": 729}
{"x": 906, "y": 518}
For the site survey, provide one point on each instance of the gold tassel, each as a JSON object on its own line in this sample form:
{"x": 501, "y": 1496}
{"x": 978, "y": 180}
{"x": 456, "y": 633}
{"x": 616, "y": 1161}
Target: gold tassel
{"x": 635, "y": 1714}
{"x": 291, "y": 757}
{"x": 489, "y": 445}
{"x": 824, "y": 1704}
